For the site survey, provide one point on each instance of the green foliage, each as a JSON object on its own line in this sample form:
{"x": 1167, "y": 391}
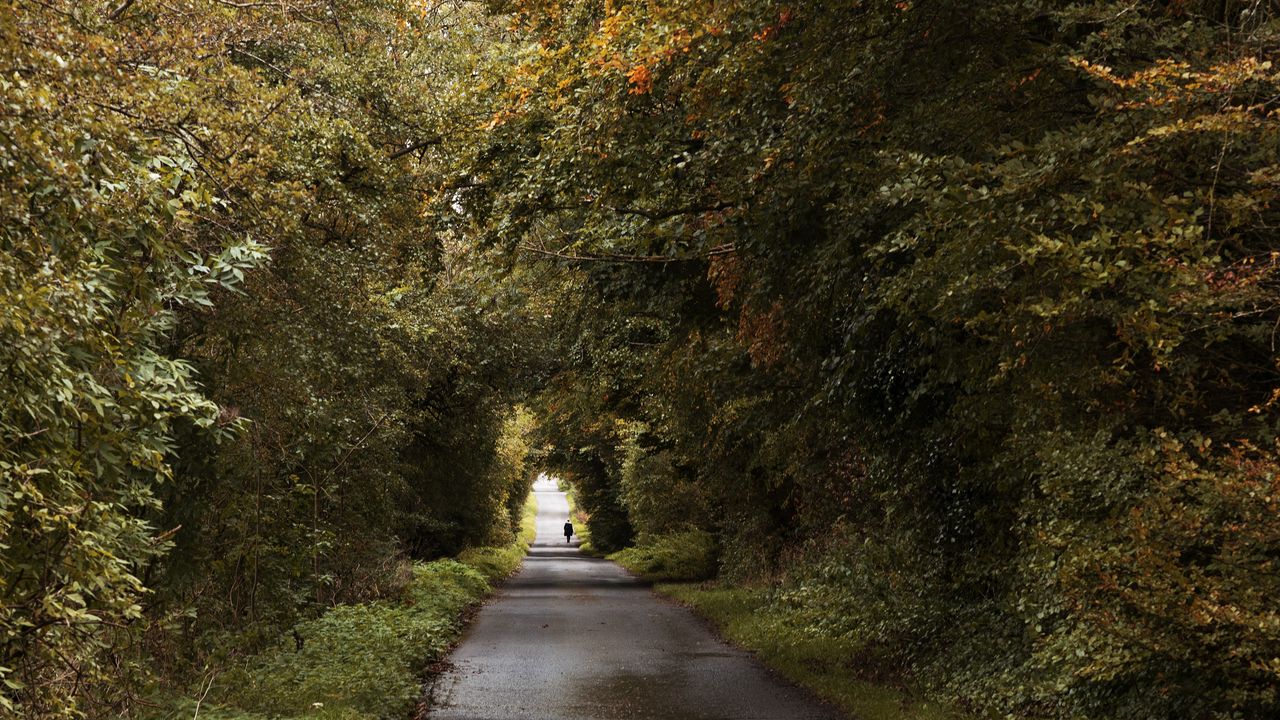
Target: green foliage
{"x": 581, "y": 524}
{"x": 364, "y": 661}
{"x": 245, "y": 377}
{"x": 105, "y": 241}
{"x": 358, "y": 660}
{"x": 659, "y": 496}
{"x": 952, "y": 321}
{"x": 689, "y": 555}
{"x": 496, "y": 563}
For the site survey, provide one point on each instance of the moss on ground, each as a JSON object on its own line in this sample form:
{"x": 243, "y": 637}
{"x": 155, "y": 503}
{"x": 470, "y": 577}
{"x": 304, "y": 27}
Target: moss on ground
{"x": 748, "y": 619}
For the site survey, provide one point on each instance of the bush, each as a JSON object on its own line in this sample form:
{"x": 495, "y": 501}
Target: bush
{"x": 361, "y": 661}
{"x": 496, "y": 563}
{"x": 492, "y": 562}
{"x": 679, "y": 556}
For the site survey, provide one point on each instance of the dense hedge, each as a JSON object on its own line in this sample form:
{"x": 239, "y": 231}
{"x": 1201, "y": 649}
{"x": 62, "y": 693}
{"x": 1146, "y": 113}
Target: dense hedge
{"x": 242, "y": 380}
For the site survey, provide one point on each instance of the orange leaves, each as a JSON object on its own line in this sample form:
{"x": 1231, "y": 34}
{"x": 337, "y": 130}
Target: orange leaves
{"x": 640, "y": 79}
{"x": 764, "y": 334}
{"x": 1029, "y": 78}
{"x": 771, "y": 31}
{"x": 511, "y": 110}
{"x": 613, "y": 26}
{"x": 625, "y": 43}
{"x": 615, "y": 49}
{"x": 725, "y": 273}
{"x": 1272, "y": 400}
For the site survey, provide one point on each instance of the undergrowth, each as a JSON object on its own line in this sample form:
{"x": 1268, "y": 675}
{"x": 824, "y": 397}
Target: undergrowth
{"x": 680, "y": 556}
{"x": 366, "y": 661}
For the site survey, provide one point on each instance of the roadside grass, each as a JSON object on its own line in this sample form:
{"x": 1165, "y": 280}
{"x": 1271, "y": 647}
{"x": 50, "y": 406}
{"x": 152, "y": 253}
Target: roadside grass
{"x": 747, "y": 618}
{"x": 680, "y": 556}
{"x": 499, "y": 562}
{"x": 366, "y": 661}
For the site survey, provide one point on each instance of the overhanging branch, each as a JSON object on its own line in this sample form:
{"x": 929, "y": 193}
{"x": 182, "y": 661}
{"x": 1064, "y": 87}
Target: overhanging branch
{"x": 725, "y": 249}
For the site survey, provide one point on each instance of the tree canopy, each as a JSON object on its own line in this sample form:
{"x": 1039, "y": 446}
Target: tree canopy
{"x": 952, "y": 323}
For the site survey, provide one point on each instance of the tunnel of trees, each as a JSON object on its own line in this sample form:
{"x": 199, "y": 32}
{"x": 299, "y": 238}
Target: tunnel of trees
{"x": 953, "y": 322}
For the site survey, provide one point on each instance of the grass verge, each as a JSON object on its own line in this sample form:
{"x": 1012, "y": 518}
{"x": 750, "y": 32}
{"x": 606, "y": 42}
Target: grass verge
{"x": 366, "y": 661}
{"x": 748, "y": 619}
{"x": 678, "y": 557}
{"x": 498, "y": 562}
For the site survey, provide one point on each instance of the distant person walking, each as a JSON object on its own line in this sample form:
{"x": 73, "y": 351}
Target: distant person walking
{"x": 568, "y": 531}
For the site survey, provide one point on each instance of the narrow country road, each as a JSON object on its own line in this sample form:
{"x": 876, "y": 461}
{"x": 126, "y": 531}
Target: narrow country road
{"x": 571, "y": 637}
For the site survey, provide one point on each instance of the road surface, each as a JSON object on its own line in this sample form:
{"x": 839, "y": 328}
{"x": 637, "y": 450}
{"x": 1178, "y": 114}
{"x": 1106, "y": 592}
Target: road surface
{"x": 571, "y": 637}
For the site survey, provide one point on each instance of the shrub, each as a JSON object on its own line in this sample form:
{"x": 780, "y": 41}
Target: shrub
{"x": 361, "y": 661}
{"x": 679, "y": 556}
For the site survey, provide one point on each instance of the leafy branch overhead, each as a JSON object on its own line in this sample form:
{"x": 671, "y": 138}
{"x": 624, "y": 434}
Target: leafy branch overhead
{"x": 944, "y": 330}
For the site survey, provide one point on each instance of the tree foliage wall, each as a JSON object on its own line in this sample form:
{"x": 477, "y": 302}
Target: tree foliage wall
{"x": 956, "y": 319}
{"x": 243, "y": 378}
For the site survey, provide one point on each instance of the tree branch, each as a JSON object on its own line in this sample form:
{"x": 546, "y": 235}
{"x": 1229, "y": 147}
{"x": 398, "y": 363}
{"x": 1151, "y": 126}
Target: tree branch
{"x": 121, "y": 9}
{"x": 415, "y": 146}
{"x": 623, "y": 258}
{"x": 665, "y": 214}
{"x": 654, "y": 215}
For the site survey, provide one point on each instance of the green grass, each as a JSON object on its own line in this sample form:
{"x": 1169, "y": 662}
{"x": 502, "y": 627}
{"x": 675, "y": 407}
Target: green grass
{"x": 366, "y": 661}
{"x": 746, "y": 618}
{"x": 529, "y": 521}
{"x": 680, "y": 556}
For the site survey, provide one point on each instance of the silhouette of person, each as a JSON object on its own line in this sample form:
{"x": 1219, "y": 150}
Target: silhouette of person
{"x": 568, "y": 531}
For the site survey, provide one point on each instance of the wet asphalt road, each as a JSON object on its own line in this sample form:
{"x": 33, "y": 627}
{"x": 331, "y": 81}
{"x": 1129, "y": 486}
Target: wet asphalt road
{"x": 571, "y": 637}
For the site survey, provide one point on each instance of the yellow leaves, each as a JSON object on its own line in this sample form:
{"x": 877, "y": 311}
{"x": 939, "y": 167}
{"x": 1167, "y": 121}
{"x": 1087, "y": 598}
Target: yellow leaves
{"x": 625, "y": 43}
{"x": 511, "y": 110}
{"x": 1268, "y": 404}
{"x": 1230, "y": 121}
{"x": 527, "y": 79}
{"x": 613, "y": 25}
{"x": 1168, "y": 82}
